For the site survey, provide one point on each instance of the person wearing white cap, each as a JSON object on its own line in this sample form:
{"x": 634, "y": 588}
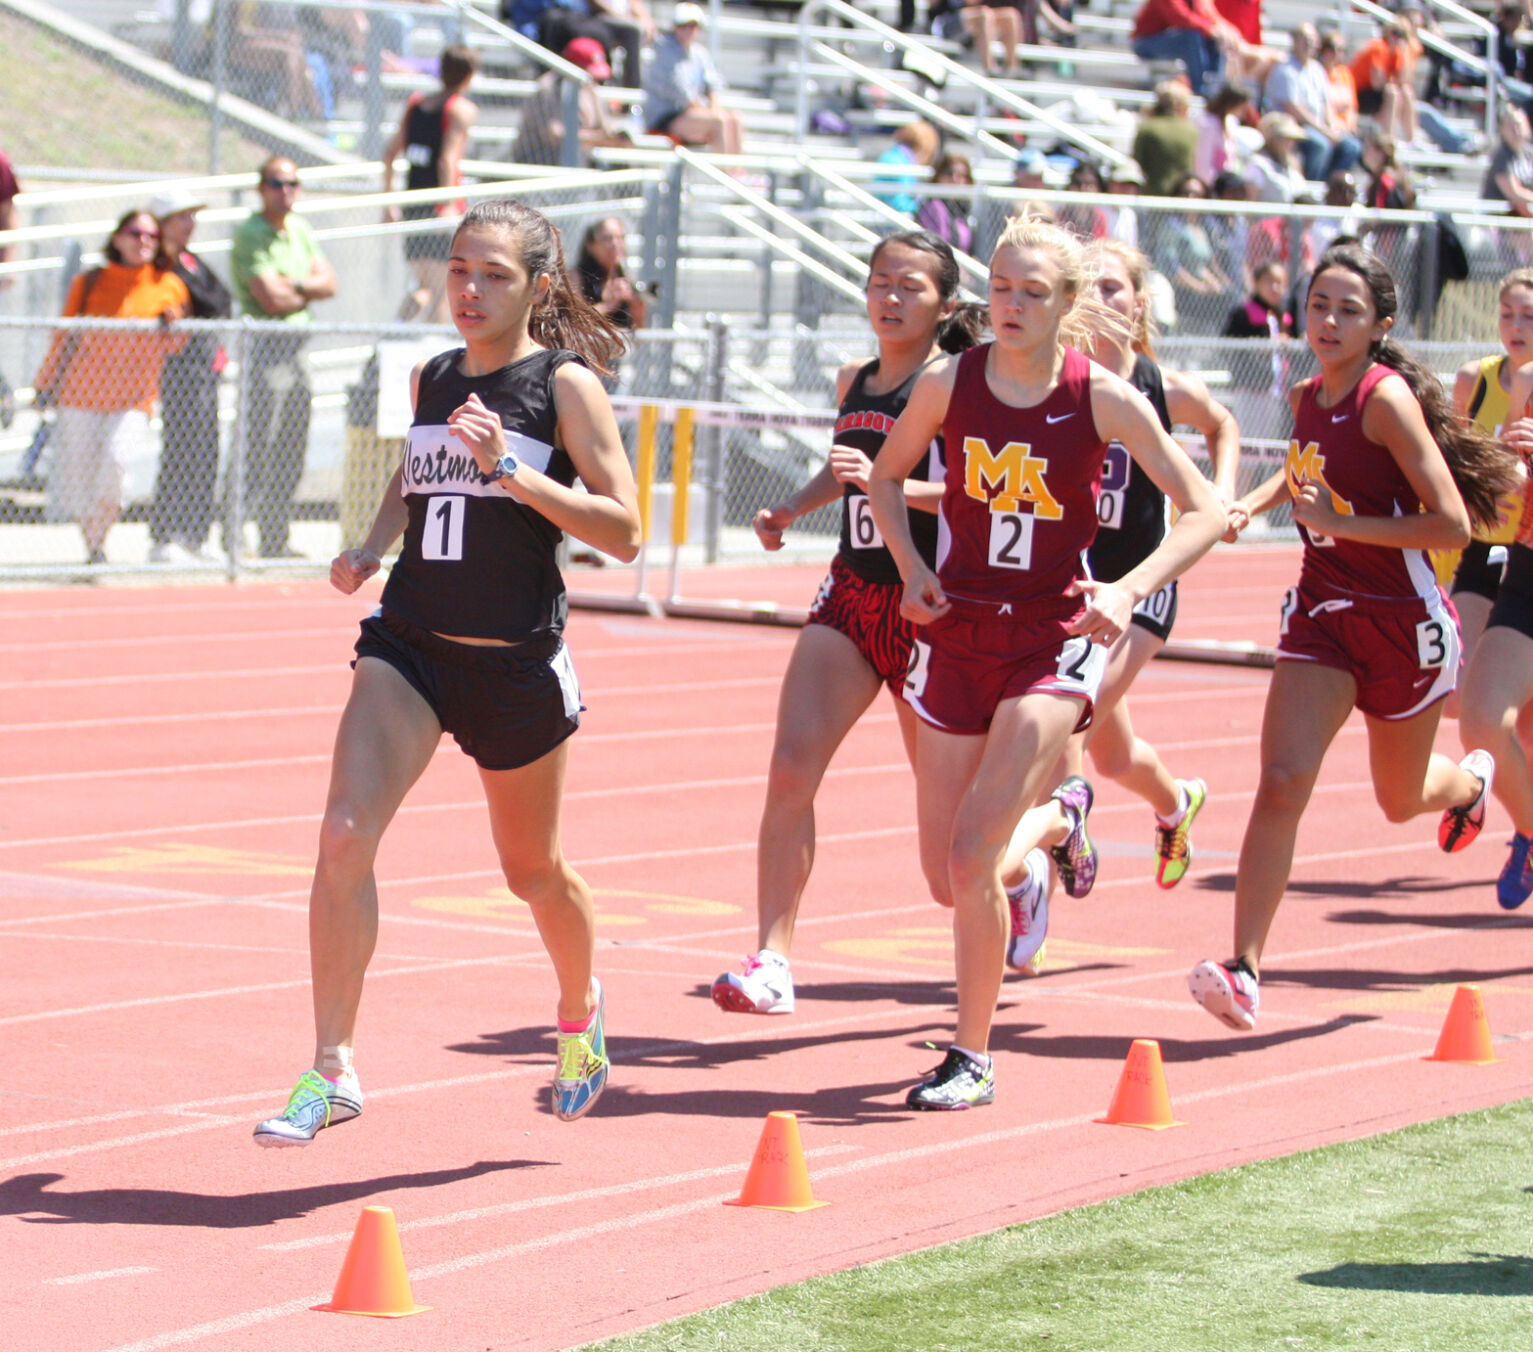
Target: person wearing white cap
{"x": 182, "y": 513}
{"x": 682, "y": 86}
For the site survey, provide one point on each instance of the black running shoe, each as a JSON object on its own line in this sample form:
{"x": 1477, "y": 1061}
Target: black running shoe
{"x": 959, "y": 1082}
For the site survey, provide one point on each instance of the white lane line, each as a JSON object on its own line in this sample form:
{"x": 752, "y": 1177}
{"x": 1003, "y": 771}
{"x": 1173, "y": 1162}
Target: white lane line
{"x": 558, "y": 1199}
{"x": 660, "y": 1215}
{"x": 101, "y": 1276}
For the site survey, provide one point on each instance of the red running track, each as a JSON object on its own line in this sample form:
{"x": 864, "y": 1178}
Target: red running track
{"x": 163, "y": 759}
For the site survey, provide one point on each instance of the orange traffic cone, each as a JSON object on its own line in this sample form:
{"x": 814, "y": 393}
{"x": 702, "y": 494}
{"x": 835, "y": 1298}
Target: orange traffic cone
{"x": 778, "y": 1179}
{"x": 1466, "y": 1031}
{"x": 373, "y": 1279}
{"x": 1140, "y": 1099}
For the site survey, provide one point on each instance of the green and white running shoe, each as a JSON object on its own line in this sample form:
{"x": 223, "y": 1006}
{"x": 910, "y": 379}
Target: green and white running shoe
{"x": 314, "y": 1104}
{"x": 1173, "y": 844}
{"x": 583, "y": 1066}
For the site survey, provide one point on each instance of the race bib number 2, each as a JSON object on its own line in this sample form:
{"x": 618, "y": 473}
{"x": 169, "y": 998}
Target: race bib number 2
{"x": 1011, "y": 540}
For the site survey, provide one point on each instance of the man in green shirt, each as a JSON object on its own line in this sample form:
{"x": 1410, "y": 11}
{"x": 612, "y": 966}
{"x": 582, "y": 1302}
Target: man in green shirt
{"x": 278, "y": 272}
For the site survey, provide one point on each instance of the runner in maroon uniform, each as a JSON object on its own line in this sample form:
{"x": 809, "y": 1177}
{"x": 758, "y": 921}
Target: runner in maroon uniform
{"x": 855, "y": 640}
{"x": 1379, "y": 471}
{"x": 1006, "y": 667}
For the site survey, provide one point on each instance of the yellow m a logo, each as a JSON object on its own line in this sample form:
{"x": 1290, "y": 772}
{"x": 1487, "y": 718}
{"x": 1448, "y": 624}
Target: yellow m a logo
{"x": 1011, "y": 475}
{"x": 1307, "y": 465}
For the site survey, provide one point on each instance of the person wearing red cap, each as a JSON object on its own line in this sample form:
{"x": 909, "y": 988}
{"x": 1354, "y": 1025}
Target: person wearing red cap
{"x": 540, "y": 138}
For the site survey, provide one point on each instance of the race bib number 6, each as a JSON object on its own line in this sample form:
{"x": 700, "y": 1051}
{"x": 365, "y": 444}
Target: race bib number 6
{"x": 865, "y": 532}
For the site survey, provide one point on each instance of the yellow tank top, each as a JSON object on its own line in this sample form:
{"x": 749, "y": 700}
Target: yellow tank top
{"x": 1489, "y": 405}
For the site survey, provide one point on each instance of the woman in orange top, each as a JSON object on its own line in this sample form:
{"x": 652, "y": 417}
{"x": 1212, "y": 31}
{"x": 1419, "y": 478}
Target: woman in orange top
{"x": 104, "y": 383}
{"x": 1384, "y": 70}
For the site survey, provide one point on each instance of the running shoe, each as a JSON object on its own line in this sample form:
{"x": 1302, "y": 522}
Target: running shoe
{"x": 1228, "y": 991}
{"x": 1173, "y": 844}
{"x": 959, "y": 1082}
{"x": 1460, "y": 825}
{"x": 1029, "y": 916}
{"x": 1075, "y": 856}
{"x": 315, "y": 1103}
{"x": 1515, "y": 884}
{"x": 583, "y": 1066}
{"x": 765, "y": 986}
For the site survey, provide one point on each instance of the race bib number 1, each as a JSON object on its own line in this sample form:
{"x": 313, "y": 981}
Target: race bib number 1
{"x": 1011, "y": 540}
{"x": 442, "y": 533}
{"x": 865, "y": 532}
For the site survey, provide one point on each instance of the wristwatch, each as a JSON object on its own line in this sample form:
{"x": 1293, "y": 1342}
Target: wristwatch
{"x": 505, "y": 467}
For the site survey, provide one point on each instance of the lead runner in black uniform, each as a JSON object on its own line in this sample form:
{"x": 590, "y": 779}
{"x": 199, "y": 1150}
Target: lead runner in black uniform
{"x": 1132, "y": 520}
{"x": 468, "y": 639}
{"x": 855, "y": 640}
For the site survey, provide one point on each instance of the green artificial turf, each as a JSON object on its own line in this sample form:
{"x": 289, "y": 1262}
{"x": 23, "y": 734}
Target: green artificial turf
{"x": 1416, "y": 1241}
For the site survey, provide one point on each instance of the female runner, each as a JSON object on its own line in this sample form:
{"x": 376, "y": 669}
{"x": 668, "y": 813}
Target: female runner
{"x": 468, "y": 637}
{"x": 1131, "y": 522}
{"x": 1379, "y": 471}
{"x": 1496, "y": 699}
{"x": 855, "y": 640}
{"x": 1007, "y": 667}
{"x": 1482, "y": 392}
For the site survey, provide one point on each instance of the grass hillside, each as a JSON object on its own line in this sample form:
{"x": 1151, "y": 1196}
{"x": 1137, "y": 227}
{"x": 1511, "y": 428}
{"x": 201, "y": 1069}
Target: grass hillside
{"x": 62, "y": 107}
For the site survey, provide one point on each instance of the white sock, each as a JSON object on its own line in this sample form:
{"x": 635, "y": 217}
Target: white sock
{"x": 1183, "y": 802}
{"x": 981, "y": 1059}
{"x": 335, "y": 1061}
{"x": 768, "y": 955}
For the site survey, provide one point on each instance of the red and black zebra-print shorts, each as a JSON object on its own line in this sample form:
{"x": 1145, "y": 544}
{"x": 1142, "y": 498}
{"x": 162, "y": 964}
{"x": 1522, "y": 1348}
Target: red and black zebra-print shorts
{"x": 868, "y": 613}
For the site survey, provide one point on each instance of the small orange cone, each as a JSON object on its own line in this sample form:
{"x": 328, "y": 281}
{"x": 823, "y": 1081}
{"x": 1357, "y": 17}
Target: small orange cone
{"x": 1140, "y": 1099}
{"x": 373, "y": 1279}
{"x": 1466, "y": 1031}
{"x": 778, "y": 1179}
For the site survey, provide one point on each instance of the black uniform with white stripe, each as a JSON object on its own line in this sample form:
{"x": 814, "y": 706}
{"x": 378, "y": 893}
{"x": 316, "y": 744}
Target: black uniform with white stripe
{"x": 476, "y": 563}
{"x": 1132, "y": 513}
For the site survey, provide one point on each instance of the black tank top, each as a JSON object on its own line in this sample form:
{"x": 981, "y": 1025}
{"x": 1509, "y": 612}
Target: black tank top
{"x": 865, "y": 420}
{"x": 425, "y": 126}
{"x": 1132, "y": 518}
{"x": 477, "y": 563}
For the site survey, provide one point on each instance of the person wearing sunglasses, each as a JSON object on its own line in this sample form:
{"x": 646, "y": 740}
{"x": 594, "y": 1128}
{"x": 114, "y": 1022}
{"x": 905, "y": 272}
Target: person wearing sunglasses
{"x": 103, "y": 383}
{"x": 278, "y": 273}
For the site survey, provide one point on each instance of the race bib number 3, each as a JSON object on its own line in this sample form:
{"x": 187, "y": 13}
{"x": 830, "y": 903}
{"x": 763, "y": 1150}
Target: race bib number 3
{"x": 865, "y": 532}
{"x": 1011, "y": 540}
{"x": 1432, "y": 644}
{"x": 442, "y": 533}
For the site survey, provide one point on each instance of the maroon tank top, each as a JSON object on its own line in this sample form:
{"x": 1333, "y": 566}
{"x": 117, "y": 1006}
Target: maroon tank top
{"x": 1329, "y": 448}
{"x": 1019, "y": 505}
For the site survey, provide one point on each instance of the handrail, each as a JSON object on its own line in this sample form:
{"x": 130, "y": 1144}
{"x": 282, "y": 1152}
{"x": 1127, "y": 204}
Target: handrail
{"x": 952, "y": 69}
{"x": 1488, "y": 65}
{"x": 738, "y": 217}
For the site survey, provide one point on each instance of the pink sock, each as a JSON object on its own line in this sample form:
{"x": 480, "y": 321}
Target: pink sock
{"x": 582, "y": 1026}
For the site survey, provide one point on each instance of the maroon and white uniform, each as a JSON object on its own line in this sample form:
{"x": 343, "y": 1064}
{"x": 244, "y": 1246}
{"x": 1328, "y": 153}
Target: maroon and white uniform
{"x": 1019, "y": 510}
{"x": 1373, "y": 611}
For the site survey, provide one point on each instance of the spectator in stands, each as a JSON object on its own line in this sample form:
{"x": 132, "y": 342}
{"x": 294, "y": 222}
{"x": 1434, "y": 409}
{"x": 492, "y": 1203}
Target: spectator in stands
{"x": 1245, "y": 17}
{"x": 540, "y": 136}
{"x": 1190, "y": 31}
{"x": 334, "y": 41}
{"x": 432, "y": 136}
{"x": 991, "y": 23}
{"x": 9, "y": 189}
{"x": 1166, "y": 142}
{"x": 600, "y": 276}
{"x": 618, "y": 25}
{"x": 1259, "y": 380}
{"x": 1031, "y": 171}
{"x": 1083, "y": 221}
{"x": 948, "y": 217}
{"x": 1509, "y": 176}
{"x": 915, "y": 146}
{"x": 278, "y": 273}
{"x": 1513, "y": 50}
{"x": 1228, "y": 233}
{"x": 1056, "y": 18}
{"x": 267, "y": 43}
{"x": 103, "y": 384}
{"x": 1218, "y": 145}
{"x": 1125, "y": 180}
{"x": 682, "y": 88}
{"x": 1300, "y": 88}
{"x": 1186, "y": 257}
{"x": 1340, "y": 191}
{"x": 1342, "y": 86}
{"x": 1384, "y": 70}
{"x": 188, "y": 476}
{"x": 1274, "y": 169}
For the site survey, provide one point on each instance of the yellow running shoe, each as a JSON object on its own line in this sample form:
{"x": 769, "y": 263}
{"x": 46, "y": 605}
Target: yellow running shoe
{"x": 1173, "y": 844}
